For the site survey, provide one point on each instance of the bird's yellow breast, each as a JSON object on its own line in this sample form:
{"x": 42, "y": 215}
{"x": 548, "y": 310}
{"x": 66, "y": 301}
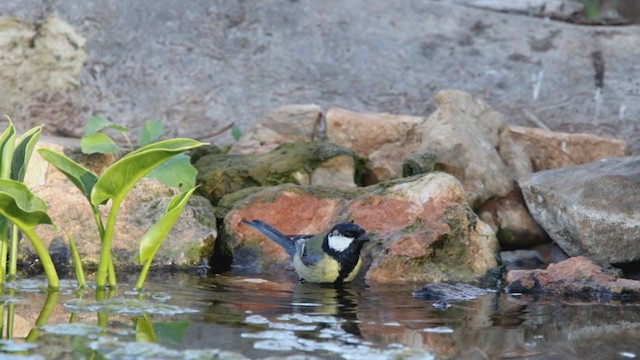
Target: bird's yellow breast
{"x": 327, "y": 270}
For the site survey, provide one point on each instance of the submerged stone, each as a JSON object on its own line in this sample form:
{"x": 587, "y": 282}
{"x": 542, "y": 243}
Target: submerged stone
{"x": 449, "y": 292}
{"x": 576, "y": 277}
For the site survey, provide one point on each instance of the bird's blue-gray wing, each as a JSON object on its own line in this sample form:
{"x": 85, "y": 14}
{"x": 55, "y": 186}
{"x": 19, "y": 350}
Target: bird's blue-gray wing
{"x": 307, "y": 255}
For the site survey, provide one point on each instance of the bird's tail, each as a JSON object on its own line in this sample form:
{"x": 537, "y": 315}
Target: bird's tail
{"x": 272, "y": 233}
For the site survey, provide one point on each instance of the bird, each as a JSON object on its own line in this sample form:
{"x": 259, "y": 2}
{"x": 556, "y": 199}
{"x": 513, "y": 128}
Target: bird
{"x": 332, "y": 257}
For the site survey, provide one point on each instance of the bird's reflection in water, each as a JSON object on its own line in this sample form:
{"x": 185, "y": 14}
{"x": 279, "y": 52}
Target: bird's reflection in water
{"x": 337, "y": 302}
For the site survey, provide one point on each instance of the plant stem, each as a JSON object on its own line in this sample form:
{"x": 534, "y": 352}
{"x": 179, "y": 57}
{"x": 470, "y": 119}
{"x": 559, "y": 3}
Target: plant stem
{"x": 45, "y": 314}
{"x": 143, "y": 275}
{"x": 112, "y": 274}
{"x": 13, "y": 254}
{"x": 98, "y": 218}
{"x": 45, "y": 258}
{"x": 11, "y": 315}
{"x": 4, "y": 240}
{"x": 105, "y": 252}
{"x": 77, "y": 262}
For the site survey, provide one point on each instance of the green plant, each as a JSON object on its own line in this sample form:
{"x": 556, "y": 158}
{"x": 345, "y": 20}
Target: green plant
{"x": 593, "y": 9}
{"x": 95, "y": 140}
{"x": 176, "y": 172}
{"x": 154, "y": 237}
{"x": 114, "y": 184}
{"x": 236, "y": 132}
{"x": 20, "y": 206}
{"x": 14, "y": 158}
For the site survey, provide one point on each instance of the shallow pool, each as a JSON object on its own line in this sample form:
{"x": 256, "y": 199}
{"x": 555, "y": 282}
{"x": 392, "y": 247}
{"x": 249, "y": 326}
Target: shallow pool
{"x": 184, "y": 316}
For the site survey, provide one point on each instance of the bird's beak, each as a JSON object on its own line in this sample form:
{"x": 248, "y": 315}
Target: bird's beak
{"x": 363, "y": 238}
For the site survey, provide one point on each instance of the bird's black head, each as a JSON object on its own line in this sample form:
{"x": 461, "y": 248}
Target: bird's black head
{"x": 343, "y": 243}
{"x": 345, "y": 237}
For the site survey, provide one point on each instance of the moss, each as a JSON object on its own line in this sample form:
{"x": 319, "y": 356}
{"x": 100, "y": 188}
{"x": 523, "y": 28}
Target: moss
{"x": 229, "y": 200}
{"x": 420, "y": 163}
{"x": 418, "y": 224}
{"x": 221, "y": 174}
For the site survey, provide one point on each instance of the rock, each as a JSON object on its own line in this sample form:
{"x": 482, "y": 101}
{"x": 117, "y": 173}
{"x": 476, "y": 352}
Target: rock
{"x": 547, "y": 8}
{"x": 538, "y": 257}
{"x": 510, "y": 219}
{"x": 574, "y": 277}
{"x": 551, "y": 150}
{"x": 449, "y": 292}
{"x": 231, "y": 62}
{"x": 422, "y": 228}
{"x": 591, "y": 209}
{"x": 286, "y": 124}
{"x": 420, "y": 163}
{"x": 464, "y": 134}
{"x": 385, "y": 139}
{"x": 47, "y": 57}
{"x": 300, "y": 163}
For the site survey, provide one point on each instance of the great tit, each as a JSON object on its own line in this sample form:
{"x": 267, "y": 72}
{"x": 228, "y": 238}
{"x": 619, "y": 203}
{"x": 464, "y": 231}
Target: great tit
{"x": 333, "y": 257}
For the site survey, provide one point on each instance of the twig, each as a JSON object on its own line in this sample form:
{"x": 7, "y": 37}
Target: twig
{"x": 214, "y": 133}
{"x": 534, "y": 119}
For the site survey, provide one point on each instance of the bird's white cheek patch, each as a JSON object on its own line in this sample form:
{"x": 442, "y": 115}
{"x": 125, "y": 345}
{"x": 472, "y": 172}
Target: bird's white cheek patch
{"x": 339, "y": 243}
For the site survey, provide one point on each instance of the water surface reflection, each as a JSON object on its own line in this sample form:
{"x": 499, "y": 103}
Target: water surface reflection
{"x": 278, "y": 317}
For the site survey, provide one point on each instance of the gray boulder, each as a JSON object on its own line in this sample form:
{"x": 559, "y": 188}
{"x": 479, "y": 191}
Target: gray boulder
{"x": 591, "y": 209}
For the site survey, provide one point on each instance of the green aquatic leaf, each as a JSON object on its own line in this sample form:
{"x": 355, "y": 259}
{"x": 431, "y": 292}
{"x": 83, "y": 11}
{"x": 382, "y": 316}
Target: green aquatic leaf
{"x": 119, "y": 178}
{"x": 144, "y": 330}
{"x": 81, "y": 177}
{"x": 236, "y": 132}
{"x": 151, "y": 132}
{"x": 97, "y": 123}
{"x": 176, "y": 172}
{"x": 22, "y": 152}
{"x": 20, "y": 205}
{"x": 7, "y": 145}
{"x": 154, "y": 237}
{"x": 26, "y": 211}
{"x": 171, "y": 333}
{"x": 98, "y": 143}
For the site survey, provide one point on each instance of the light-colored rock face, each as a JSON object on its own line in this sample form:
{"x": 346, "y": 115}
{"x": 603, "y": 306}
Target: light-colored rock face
{"x": 421, "y": 228}
{"x": 464, "y": 133}
{"x": 385, "y": 139}
{"x": 338, "y": 172}
{"x": 590, "y": 210}
{"x": 286, "y": 124}
{"x": 45, "y": 58}
{"x": 551, "y": 150}
{"x": 206, "y": 64}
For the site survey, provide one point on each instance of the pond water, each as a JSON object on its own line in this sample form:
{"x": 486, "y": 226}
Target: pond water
{"x": 184, "y": 316}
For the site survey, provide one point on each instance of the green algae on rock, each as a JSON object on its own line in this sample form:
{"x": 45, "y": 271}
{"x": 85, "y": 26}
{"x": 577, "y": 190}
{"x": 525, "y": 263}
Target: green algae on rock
{"x": 304, "y": 163}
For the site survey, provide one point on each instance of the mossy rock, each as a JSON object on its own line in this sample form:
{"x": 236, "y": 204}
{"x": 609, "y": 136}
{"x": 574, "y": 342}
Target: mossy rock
{"x": 221, "y": 174}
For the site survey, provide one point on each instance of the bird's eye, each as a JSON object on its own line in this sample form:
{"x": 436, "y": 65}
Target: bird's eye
{"x": 335, "y": 233}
